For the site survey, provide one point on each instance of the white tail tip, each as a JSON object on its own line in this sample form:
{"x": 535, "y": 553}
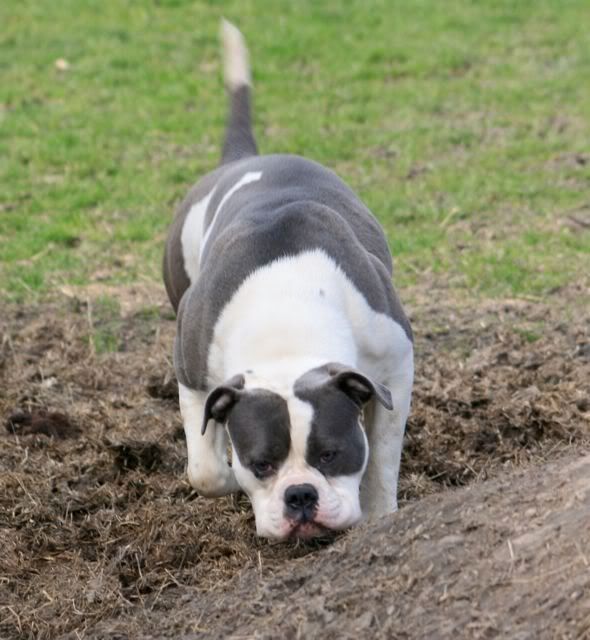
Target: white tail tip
{"x": 235, "y": 57}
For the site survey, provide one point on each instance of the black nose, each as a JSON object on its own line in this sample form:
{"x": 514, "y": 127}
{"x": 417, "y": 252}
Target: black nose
{"x": 301, "y": 501}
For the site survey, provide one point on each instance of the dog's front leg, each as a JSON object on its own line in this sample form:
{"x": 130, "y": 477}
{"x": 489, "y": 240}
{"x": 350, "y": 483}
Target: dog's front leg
{"x": 208, "y": 469}
{"x": 385, "y": 433}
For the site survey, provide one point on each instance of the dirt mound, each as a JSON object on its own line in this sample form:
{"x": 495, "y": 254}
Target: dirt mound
{"x": 504, "y": 559}
{"x": 98, "y": 523}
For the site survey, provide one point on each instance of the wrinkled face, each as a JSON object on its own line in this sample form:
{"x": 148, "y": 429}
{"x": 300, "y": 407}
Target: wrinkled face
{"x": 300, "y": 455}
{"x": 300, "y": 459}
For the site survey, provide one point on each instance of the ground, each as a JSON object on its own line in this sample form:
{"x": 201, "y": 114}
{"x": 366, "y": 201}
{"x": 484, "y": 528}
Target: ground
{"x": 103, "y": 537}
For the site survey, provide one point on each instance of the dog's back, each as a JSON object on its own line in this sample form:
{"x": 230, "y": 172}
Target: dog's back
{"x": 253, "y": 210}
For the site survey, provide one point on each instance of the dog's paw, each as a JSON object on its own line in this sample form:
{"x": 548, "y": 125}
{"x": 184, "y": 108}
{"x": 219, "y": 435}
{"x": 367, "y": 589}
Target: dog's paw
{"x": 378, "y": 509}
{"x": 212, "y": 483}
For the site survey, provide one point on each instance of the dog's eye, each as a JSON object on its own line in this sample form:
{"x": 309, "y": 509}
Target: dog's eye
{"x": 262, "y": 469}
{"x": 327, "y": 456}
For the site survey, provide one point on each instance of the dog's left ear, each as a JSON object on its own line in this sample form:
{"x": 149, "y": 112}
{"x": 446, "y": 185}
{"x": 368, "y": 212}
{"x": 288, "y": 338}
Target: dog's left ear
{"x": 222, "y": 400}
{"x": 357, "y": 386}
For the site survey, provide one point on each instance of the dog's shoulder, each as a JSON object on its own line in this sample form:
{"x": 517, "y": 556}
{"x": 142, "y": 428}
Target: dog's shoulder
{"x": 265, "y": 192}
{"x": 262, "y": 209}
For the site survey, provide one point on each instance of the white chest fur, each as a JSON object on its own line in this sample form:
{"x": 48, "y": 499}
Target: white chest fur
{"x": 302, "y": 311}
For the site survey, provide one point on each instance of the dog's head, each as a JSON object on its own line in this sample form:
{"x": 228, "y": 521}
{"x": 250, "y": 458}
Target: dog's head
{"x": 299, "y": 453}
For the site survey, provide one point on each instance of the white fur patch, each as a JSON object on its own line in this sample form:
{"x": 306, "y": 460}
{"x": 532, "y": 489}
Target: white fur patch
{"x": 297, "y": 313}
{"x": 301, "y": 415}
{"x": 192, "y": 234}
{"x": 207, "y": 467}
{"x": 235, "y": 57}
{"x": 247, "y": 178}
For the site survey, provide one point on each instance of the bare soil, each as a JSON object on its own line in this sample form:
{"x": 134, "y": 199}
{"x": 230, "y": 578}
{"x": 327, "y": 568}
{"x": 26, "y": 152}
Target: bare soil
{"x": 102, "y": 537}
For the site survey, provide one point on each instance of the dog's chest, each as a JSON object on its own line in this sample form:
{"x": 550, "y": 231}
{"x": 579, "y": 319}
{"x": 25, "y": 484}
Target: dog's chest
{"x": 300, "y": 310}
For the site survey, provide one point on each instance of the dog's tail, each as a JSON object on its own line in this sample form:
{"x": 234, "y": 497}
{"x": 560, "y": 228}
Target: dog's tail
{"x": 239, "y": 139}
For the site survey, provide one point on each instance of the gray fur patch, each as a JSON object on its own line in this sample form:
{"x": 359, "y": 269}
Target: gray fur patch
{"x": 175, "y": 276}
{"x": 259, "y": 427}
{"x": 335, "y": 445}
{"x": 239, "y": 139}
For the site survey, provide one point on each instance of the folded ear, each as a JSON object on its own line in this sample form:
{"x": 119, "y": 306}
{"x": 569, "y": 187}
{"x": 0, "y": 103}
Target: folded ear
{"x": 357, "y": 386}
{"x": 222, "y": 400}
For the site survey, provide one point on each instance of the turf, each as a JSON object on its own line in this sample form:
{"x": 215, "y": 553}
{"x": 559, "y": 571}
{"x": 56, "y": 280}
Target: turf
{"x": 463, "y": 125}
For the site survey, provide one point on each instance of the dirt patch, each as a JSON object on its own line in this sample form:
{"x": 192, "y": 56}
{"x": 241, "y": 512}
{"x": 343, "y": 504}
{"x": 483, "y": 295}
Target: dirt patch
{"x": 101, "y": 526}
{"x": 497, "y": 389}
{"x": 145, "y": 456}
{"x": 52, "y": 423}
{"x": 164, "y": 387}
{"x": 504, "y": 559}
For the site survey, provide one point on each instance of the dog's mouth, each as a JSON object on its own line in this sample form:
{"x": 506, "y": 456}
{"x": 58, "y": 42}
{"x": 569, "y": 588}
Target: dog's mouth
{"x": 308, "y": 530}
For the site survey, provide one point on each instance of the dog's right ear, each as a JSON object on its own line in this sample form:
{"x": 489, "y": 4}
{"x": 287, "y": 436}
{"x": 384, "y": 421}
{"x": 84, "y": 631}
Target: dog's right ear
{"x": 222, "y": 400}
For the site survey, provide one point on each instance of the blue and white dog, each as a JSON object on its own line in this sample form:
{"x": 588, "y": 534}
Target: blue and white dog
{"x": 291, "y": 339}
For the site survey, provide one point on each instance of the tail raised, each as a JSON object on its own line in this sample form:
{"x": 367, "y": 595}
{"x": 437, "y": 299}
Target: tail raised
{"x": 239, "y": 139}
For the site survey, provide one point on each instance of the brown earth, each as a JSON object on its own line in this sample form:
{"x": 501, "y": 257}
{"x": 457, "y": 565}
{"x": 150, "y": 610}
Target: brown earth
{"x": 101, "y": 536}
{"x": 504, "y": 559}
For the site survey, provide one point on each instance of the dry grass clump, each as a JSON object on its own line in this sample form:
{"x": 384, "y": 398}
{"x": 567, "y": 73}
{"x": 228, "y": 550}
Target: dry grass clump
{"x": 495, "y": 390}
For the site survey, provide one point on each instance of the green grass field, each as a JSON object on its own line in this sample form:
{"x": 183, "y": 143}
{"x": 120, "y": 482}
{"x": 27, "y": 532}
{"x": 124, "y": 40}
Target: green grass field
{"x": 464, "y": 125}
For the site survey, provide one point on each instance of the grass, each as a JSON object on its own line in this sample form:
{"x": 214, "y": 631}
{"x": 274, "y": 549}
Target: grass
{"x": 104, "y": 316}
{"x": 464, "y": 126}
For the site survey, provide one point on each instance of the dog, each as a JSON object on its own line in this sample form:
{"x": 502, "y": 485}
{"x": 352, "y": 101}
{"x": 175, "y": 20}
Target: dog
{"x": 291, "y": 339}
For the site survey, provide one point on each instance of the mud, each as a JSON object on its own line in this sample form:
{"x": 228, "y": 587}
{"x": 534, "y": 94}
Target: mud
{"x": 102, "y": 537}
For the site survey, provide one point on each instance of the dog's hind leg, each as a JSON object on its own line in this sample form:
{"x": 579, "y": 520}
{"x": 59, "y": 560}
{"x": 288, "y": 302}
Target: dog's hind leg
{"x": 208, "y": 469}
